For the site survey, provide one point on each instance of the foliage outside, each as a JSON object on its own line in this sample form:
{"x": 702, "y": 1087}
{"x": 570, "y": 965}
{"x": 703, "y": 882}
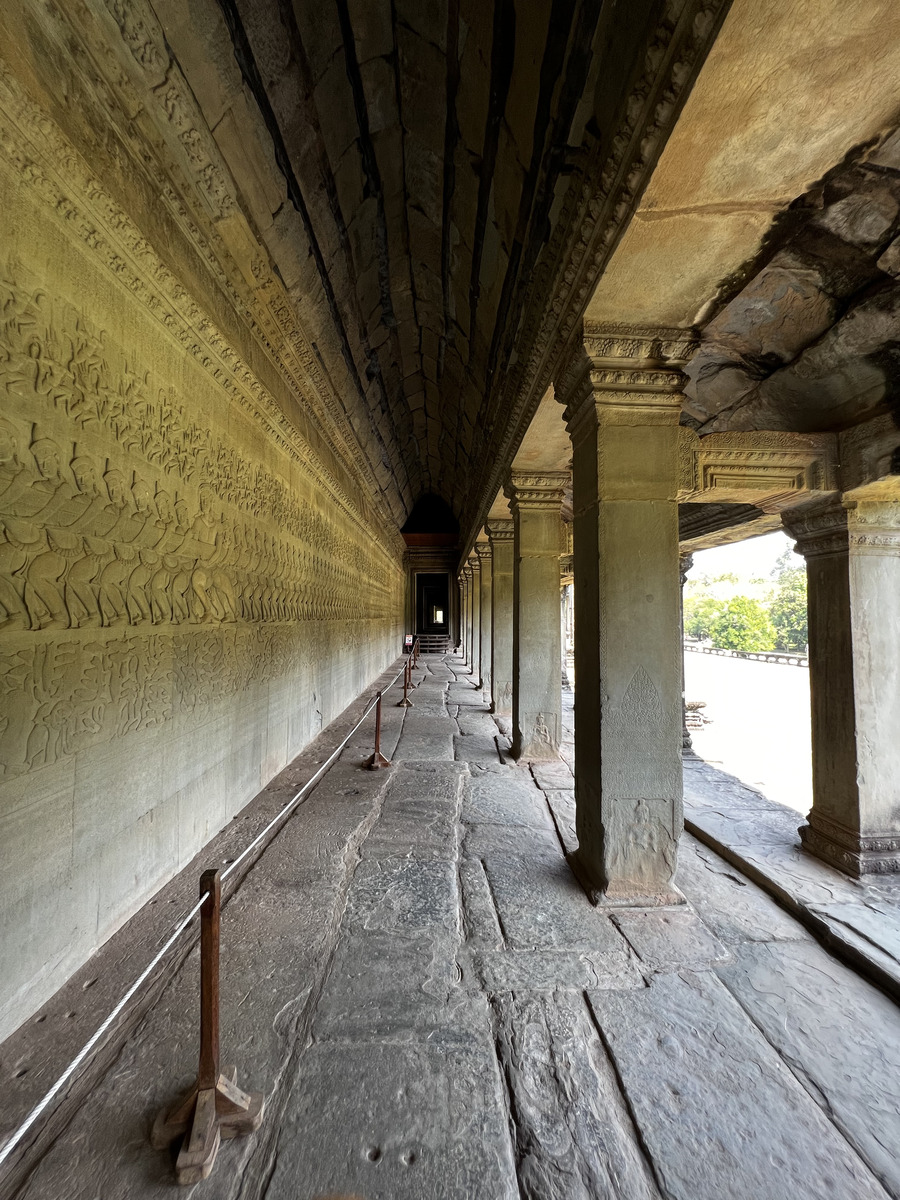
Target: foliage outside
{"x": 743, "y": 625}
{"x": 717, "y": 610}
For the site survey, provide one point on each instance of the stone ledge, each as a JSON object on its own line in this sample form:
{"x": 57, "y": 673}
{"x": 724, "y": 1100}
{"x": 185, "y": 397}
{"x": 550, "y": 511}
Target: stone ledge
{"x": 857, "y": 920}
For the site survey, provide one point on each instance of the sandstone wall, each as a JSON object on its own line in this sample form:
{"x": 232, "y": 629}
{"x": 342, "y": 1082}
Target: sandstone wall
{"x": 188, "y": 591}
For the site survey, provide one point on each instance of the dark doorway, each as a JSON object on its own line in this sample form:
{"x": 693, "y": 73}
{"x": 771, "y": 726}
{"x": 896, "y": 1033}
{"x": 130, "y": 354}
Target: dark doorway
{"x": 433, "y": 603}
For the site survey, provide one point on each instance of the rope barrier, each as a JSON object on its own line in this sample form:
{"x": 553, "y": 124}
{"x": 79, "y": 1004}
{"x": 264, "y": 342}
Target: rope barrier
{"x": 8, "y": 1146}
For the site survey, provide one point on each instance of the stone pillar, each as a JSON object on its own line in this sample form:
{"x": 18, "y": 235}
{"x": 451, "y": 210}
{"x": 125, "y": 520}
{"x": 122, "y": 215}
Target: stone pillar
{"x": 466, "y": 576}
{"x": 501, "y": 539}
{"x": 685, "y": 562}
{"x": 622, "y": 410}
{"x": 483, "y": 550}
{"x": 852, "y": 554}
{"x": 535, "y": 500}
{"x": 475, "y": 605}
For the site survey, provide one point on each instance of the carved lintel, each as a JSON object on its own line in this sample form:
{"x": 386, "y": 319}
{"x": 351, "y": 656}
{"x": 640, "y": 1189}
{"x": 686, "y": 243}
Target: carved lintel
{"x": 773, "y": 471}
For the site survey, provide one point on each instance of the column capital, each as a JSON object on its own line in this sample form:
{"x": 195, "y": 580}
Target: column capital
{"x": 484, "y": 550}
{"x": 535, "y": 489}
{"x": 474, "y": 563}
{"x": 818, "y": 528}
{"x": 501, "y": 531}
{"x": 625, "y": 375}
{"x": 873, "y": 527}
{"x": 466, "y": 573}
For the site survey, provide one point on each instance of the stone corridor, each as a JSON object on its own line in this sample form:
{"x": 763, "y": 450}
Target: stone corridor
{"x": 416, "y": 981}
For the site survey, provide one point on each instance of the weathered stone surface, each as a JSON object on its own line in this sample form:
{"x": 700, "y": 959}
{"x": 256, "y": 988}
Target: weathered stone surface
{"x": 698, "y": 1076}
{"x": 540, "y": 904}
{"x": 574, "y": 1136}
{"x": 425, "y": 736}
{"x": 429, "y": 1122}
{"x": 419, "y": 813}
{"x": 475, "y": 748}
{"x": 525, "y": 971}
{"x": 506, "y": 796}
{"x": 479, "y": 914}
{"x": 675, "y": 938}
{"x": 805, "y": 1003}
{"x": 735, "y": 909}
{"x": 487, "y": 840}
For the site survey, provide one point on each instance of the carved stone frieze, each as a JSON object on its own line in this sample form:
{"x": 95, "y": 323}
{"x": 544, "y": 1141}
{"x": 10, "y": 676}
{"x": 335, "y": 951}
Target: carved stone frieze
{"x": 59, "y": 180}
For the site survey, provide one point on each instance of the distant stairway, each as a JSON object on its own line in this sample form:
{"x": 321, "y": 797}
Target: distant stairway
{"x": 434, "y": 643}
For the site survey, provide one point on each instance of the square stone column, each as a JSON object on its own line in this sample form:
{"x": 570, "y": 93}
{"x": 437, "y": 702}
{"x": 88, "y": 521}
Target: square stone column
{"x": 852, "y": 554}
{"x": 483, "y": 550}
{"x": 466, "y": 576}
{"x": 623, "y": 405}
{"x": 463, "y": 600}
{"x": 500, "y": 534}
{"x": 475, "y": 616}
{"x": 535, "y": 500}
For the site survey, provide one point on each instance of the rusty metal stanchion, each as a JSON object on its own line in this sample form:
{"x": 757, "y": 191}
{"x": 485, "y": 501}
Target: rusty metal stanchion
{"x": 377, "y": 760}
{"x": 215, "y": 1107}
{"x": 407, "y": 683}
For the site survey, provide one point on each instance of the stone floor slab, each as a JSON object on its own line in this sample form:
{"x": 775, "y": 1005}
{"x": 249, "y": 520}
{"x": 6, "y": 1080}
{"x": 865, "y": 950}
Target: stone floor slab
{"x": 540, "y": 905}
{"x": 429, "y": 1122}
{"x": 504, "y": 797}
{"x": 718, "y": 1110}
{"x": 670, "y": 938}
{"x": 574, "y": 1136}
{"x": 808, "y": 1005}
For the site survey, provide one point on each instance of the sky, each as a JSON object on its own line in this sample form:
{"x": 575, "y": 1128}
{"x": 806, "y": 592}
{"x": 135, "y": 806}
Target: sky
{"x": 751, "y": 559}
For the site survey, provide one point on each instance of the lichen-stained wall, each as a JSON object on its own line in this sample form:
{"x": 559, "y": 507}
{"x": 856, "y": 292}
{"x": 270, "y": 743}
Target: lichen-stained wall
{"x": 186, "y": 593}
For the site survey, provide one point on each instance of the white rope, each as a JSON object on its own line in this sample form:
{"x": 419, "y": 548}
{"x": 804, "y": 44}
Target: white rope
{"x": 76, "y": 1062}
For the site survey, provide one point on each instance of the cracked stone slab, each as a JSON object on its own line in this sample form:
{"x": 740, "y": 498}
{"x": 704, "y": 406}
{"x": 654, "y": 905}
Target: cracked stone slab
{"x": 574, "y": 1136}
{"x": 735, "y": 909}
{"x": 506, "y": 797}
{"x": 540, "y": 904}
{"x": 550, "y": 970}
{"x": 477, "y": 724}
{"x": 777, "y": 826}
{"x": 806, "y": 1003}
{"x": 670, "y": 938}
{"x": 718, "y": 1110}
{"x": 430, "y": 1121}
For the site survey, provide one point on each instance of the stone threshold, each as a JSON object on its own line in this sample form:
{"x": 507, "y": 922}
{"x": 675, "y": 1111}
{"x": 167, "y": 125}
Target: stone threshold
{"x": 858, "y": 920}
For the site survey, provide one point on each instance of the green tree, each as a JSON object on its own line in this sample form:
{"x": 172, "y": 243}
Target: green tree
{"x": 699, "y": 614}
{"x": 788, "y": 610}
{"x": 743, "y": 624}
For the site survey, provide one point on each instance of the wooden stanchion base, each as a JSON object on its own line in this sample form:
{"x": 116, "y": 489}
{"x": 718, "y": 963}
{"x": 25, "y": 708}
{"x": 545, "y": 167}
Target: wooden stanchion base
{"x": 204, "y": 1117}
{"x": 404, "y": 703}
{"x": 377, "y": 761}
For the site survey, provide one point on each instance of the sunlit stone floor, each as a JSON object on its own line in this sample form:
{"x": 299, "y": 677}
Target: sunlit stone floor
{"x": 433, "y": 1009}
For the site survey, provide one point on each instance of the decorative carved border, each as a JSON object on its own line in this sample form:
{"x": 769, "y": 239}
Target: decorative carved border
{"x": 673, "y": 57}
{"x": 772, "y": 471}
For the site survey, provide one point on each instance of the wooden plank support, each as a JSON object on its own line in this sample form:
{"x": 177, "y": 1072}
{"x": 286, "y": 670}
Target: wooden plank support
{"x": 377, "y": 761}
{"x": 215, "y": 1107}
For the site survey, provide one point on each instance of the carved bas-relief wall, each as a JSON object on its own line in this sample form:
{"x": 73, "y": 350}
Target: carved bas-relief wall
{"x": 185, "y": 600}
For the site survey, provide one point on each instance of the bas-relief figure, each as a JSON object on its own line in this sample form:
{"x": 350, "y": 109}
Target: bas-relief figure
{"x": 122, "y": 523}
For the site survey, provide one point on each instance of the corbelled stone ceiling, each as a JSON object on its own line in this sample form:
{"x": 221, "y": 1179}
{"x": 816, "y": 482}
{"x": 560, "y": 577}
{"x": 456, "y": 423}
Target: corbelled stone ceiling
{"x": 436, "y": 185}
